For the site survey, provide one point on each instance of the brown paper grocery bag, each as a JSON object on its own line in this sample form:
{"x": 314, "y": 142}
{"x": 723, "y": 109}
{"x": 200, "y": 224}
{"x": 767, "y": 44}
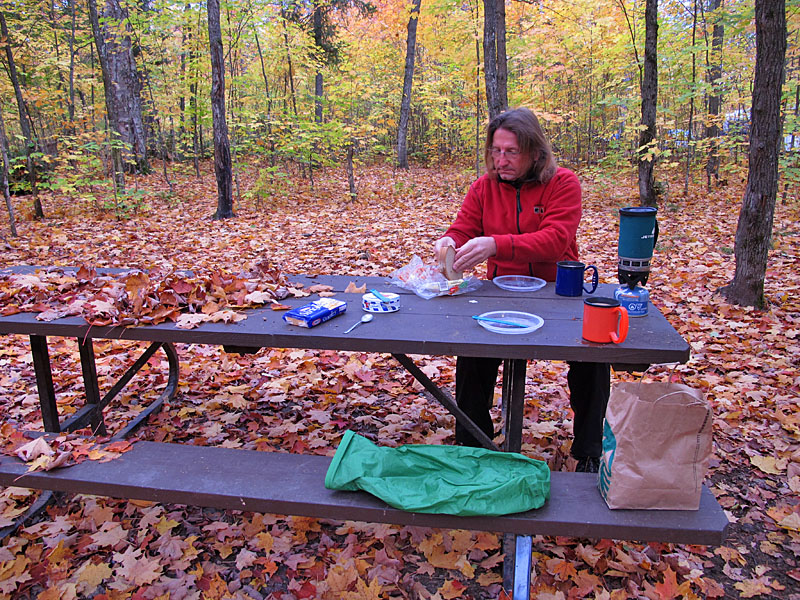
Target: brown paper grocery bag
{"x": 656, "y": 446}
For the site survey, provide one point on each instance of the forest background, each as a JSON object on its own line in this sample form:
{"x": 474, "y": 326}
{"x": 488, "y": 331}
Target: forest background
{"x": 313, "y": 98}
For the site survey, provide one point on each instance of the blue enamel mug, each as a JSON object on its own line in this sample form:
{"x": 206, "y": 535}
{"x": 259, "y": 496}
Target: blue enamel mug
{"x": 570, "y": 278}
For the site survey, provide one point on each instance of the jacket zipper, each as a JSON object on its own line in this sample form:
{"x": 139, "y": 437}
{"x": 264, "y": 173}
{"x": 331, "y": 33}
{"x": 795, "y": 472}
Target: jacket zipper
{"x": 519, "y": 230}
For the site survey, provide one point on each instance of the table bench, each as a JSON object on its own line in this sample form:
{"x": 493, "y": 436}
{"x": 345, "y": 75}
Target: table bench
{"x": 442, "y": 326}
{"x": 246, "y": 480}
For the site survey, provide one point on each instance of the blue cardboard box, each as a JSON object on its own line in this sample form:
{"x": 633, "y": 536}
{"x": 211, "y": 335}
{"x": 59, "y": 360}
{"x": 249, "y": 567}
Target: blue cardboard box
{"x": 316, "y": 312}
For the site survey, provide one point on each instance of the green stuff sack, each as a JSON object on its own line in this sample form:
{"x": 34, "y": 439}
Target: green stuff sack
{"x": 454, "y": 480}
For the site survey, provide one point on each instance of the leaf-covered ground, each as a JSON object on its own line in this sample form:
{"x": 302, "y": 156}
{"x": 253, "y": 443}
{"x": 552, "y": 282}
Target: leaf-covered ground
{"x": 745, "y": 360}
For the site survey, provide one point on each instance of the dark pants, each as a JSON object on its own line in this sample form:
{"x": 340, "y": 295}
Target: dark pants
{"x": 589, "y": 387}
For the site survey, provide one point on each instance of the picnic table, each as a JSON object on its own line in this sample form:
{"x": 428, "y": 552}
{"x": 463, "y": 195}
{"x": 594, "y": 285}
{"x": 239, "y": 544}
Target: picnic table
{"x": 439, "y": 326}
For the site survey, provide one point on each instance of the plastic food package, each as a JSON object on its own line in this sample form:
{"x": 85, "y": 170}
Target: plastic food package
{"x": 427, "y": 281}
{"x": 454, "y": 480}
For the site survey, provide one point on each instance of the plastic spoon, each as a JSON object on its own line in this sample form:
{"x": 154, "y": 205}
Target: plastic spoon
{"x": 365, "y": 319}
{"x": 501, "y": 321}
{"x": 380, "y": 296}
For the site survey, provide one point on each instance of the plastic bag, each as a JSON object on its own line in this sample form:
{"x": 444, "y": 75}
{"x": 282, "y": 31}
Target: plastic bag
{"x": 454, "y": 480}
{"x": 427, "y": 282}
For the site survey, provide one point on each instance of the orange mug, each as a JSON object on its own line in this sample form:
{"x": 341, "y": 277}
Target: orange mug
{"x": 604, "y": 320}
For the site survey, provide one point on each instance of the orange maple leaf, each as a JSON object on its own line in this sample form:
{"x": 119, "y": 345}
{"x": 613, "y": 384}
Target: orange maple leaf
{"x": 136, "y": 282}
{"x": 452, "y": 589}
{"x": 119, "y": 446}
{"x": 562, "y": 569}
{"x": 373, "y": 591}
{"x": 754, "y": 587}
{"x": 669, "y": 588}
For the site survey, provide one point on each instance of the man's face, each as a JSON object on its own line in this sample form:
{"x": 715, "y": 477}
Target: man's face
{"x": 509, "y": 163}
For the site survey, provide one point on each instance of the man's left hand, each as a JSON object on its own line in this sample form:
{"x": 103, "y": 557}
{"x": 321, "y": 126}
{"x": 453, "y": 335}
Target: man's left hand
{"x": 474, "y": 252}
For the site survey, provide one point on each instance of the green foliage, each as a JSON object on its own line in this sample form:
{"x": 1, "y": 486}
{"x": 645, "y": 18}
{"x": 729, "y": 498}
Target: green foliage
{"x": 789, "y": 168}
{"x": 572, "y": 61}
{"x": 124, "y": 205}
{"x": 269, "y": 185}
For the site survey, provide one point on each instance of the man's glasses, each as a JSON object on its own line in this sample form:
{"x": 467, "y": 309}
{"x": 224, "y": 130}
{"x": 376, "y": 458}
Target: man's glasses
{"x": 509, "y": 154}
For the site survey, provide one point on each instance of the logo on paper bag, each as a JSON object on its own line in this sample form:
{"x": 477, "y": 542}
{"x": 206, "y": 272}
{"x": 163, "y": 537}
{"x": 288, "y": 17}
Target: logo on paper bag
{"x": 609, "y": 449}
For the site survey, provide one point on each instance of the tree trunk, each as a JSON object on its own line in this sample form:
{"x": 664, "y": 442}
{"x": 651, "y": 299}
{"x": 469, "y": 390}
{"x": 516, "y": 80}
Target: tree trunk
{"x": 714, "y": 79}
{"x": 121, "y": 81}
{"x": 754, "y": 230}
{"x": 12, "y": 224}
{"x": 194, "y": 84}
{"x": 318, "y": 87}
{"x": 408, "y": 78}
{"x": 62, "y": 84}
{"x": 193, "y": 103}
{"x": 24, "y": 120}
{"x": 502, "y": 61}
{"x": 647, "y": 137}
{"x": 690, "y": 125}
{"x": 493, "y": 102}
{"x": 351, "y": 180}
{"x": 792, "y": 140}
{"x": 266, "y": 82}
{"x": 186, "y": 49}
{"x": 290, "y": 74}
{"x": 477, "y": 93}
{"x": 111, "y": 106}
{"x": 72, "y": 67}
{"x": 222, "y": 150}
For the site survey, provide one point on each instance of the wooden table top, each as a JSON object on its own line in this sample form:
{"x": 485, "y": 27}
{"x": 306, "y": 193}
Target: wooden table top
{"x": 439, "y": 326}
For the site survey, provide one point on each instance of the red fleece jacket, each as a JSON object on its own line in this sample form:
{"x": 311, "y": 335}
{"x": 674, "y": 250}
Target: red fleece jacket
{"x": 534, "y": 226}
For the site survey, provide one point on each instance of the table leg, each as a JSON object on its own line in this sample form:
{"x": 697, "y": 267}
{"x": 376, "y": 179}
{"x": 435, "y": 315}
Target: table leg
{"x": 90, "y": 385}
{"x": 44, "y": 383}
{"x": 522, "y": 572}
{"x": 445, "y": 400}
{"x": 167, "y": 394}
{"x": 92, "y": 412}
{"x": 514, "y": 372}
{"x": 516, "y": 549}
{"x": 514, "y": 562}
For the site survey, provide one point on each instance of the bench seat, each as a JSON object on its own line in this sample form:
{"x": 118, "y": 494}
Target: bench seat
{"x": 293, "y": 484}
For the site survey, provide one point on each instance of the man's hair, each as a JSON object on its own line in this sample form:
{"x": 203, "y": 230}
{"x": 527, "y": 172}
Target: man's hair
{"x": 533, "y": 144}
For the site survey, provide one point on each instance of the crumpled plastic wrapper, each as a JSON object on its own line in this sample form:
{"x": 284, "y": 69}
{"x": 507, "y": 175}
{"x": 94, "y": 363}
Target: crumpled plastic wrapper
{"x": 427, "y": 281}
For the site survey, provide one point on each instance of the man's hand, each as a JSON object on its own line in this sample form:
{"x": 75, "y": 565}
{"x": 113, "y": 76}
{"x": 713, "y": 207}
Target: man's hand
{"x": 441, "y": 243}
{"x": 474, "y": 252}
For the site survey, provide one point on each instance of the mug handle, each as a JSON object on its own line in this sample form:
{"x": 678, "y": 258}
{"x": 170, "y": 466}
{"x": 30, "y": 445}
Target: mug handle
{"x": 618, "y": 338}
{"x": 595, "y": 279}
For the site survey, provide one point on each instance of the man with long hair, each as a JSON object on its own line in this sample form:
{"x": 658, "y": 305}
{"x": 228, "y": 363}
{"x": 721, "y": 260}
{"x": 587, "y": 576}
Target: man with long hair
{"x": 522, "y": 217}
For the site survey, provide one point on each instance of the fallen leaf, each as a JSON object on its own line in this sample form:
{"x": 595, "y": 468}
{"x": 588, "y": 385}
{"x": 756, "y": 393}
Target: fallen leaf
{"x": 34, "y": 449}
{"x": 767, "y": 464}
{"x": 352, "y": 288}
{"x": 189, "y": 321}
{"x": 791, "y": 522}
